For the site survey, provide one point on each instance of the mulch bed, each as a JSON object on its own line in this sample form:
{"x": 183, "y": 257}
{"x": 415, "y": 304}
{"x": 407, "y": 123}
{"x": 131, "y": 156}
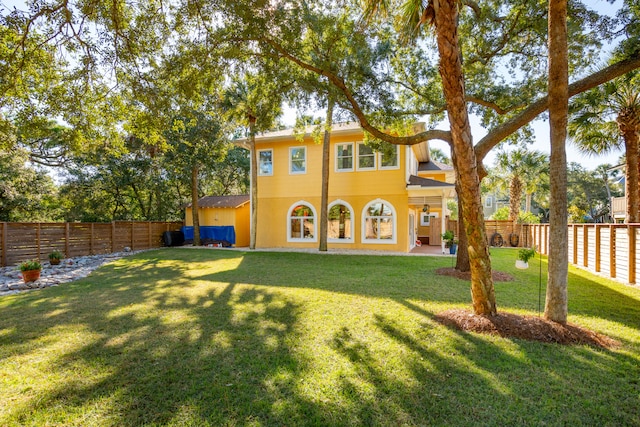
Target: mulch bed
{"x": 509, "y": 325}
{"x": 530, "y": 328}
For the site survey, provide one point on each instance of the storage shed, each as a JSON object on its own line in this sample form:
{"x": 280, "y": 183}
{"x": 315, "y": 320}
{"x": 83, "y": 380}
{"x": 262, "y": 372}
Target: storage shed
{"x": 223, "y": 211}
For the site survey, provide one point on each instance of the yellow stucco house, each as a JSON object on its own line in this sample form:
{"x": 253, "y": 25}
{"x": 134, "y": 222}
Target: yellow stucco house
{"x": 376, "y": 201}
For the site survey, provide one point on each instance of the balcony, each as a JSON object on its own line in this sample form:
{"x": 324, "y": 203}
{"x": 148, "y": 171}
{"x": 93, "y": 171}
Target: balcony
{"x": 618, "y": 207}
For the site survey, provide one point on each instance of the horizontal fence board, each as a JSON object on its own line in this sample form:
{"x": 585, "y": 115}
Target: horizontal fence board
{"x": 20, "y": 241}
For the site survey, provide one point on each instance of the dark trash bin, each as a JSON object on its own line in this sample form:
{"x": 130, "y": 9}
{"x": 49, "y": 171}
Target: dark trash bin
{"x": 173, "y": 238}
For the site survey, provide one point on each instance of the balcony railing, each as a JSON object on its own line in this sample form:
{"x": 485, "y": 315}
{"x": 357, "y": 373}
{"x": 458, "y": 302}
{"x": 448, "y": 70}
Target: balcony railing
{"x": 618, "y": 206}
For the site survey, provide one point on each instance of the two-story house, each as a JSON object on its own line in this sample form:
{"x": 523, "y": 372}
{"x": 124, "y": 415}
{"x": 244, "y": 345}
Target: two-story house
{"x": 377, "y": 201}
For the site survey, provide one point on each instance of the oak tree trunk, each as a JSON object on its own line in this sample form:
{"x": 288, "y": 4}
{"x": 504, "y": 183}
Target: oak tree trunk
{"x": 254, "y": 182}
{"x": 194, "y": 206}
{"x": 324, "y": 199}
{"x": 462, "y": 256}
{"x": 556, "y": 298}
{"x": 482, "y": 290}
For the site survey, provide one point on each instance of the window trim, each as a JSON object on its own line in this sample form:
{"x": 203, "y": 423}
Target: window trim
{"x": 314, "y": 239}
{"x": 363, "y": 225}
{"x": 488, "y": 202}
{"x": 259, "y": 168}
{"x": 353, "y": 222}
{"x": 375, "y": 157}
{"x": 397, "y": 166}
{"x": 353, "y": 157}
{"x": 291, "y": 171}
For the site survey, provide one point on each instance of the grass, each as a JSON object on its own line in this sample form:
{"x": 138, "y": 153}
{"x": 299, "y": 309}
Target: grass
{"x": 223, "y": 338}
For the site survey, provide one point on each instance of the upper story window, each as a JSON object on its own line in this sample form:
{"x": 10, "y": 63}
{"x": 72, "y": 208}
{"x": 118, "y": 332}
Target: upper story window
{"x": 297, "y": 160}
{"x": 379, "y": 223}
{"x": 340, "y": 226}
{"x": 344, "y": 157}
{"x": 301, "y": 223}
{"x": 390, "y": 157}
{"x": 265, "y": 162}
{"x": 488, "y": 202}
{"x": 366, "y": 157}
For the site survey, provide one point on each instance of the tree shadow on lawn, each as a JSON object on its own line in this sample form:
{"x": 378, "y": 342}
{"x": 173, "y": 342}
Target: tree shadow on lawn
{"x": 165, "y": 347}
{"x": 398, "y": 277}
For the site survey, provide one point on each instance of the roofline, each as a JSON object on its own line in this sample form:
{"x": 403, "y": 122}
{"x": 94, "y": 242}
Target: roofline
{"x": 338, "y": 129}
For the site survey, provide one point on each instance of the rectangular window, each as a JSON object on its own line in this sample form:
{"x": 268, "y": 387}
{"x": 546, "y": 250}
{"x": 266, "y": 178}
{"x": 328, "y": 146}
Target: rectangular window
{"x": 297, "y": 160}
{"x": 389, "y": 157}
{"x": 265, "y": 162}
{"x": 344, "y": 157}
{"x": 488, "y": 202}
{"x": 425, "y": 219}
{"x": 366, "y": 157}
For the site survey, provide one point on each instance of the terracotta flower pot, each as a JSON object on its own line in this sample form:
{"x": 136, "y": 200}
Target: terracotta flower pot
{"x": 54, "y": 261}
{"x": 30, "y": 275}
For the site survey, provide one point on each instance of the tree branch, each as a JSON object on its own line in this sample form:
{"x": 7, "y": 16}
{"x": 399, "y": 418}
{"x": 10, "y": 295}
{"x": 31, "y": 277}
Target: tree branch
{"x": 339, "y": 83}
{"x": 501, "y": 132}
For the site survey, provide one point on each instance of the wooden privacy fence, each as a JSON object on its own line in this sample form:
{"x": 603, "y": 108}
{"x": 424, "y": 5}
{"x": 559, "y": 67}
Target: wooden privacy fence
{"x": 608, "y": 249}
{"x": 21, "y": 241}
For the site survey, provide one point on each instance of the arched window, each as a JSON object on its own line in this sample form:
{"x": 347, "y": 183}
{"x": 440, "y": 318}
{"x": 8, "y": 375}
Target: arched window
{"x": 301, "y": 225}
{"x": 340, "y": 222}
{"x": 379, "y": 222}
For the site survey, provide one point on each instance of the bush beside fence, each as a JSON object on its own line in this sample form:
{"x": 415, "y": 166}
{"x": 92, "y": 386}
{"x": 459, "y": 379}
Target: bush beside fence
{"x": 20, "y": 241}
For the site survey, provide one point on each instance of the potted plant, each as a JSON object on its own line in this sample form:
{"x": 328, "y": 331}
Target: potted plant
{"x": 55, "y": 257}
{"x": 450, "y": 241}
{"x": 30, "y": 270}
{"x": 524, "y": 255}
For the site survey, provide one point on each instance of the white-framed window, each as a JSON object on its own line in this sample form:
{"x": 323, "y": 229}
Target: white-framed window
{"x": 390, "y": 157}
{"x": 301, "y": 222}
{"x": 265, "y": 162}
{"x": 488, "y": 202}
{"x": 366, "y": 157}
{"x": 297, "y": 160}
{"x": 340, "y": 222}
{"x": 425, "y": 217}
{"x": 379, "y": 222}
{"x": 344, "y": 157}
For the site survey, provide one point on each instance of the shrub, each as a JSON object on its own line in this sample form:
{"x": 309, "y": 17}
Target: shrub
{"x": 33, "y": 264}
{"x": 56, "y": 255}
{"x": 525, "y": 254}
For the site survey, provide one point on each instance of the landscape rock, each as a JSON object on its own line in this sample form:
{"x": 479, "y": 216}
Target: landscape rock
{"x": 53, "y": 275}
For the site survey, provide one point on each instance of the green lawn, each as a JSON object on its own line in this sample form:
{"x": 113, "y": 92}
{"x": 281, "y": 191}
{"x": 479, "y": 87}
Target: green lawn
{"x": 214, "y": 337}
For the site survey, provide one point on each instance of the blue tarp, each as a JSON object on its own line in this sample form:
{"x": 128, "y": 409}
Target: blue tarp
{"x": 216, "y": 232}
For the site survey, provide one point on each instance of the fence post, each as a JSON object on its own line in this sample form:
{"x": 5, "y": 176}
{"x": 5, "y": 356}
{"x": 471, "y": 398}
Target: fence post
{"x": 113, "y": 236}
{"x": 574, "y": 227}
{"x": 132, "y": 235}
{"x": 585, "y": 245}
{"x": 66, "y": 240}
{"x": 149, "y": 235}
{"x": 91, "y": 251}
{"x": 612, "y": 250}
{"x": 38, "y": 240}
{"x": 598, "y": 228}
{"x": 3, "y": 243}
{"x": 631, "y": 230}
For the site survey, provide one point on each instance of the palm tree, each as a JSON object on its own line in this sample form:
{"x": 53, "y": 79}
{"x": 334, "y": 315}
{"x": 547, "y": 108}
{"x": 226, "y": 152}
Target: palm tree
{"x": 520, "y": 171}
{"x": 607, "y": 118}
{"x": 443, "y": 16}
{"x": 246, "y": 103}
